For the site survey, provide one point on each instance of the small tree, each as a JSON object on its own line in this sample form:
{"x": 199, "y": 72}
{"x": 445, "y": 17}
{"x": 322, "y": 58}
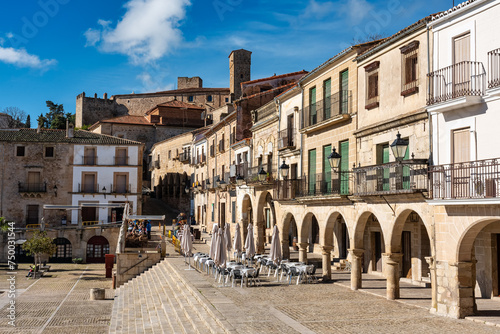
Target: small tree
{"x": 28, "y": 122}
{"x": 39, "y": 244}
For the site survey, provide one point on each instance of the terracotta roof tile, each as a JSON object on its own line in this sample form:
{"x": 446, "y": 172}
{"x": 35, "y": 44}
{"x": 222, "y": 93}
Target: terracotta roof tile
{"x": 59, "y": 136}
{"x": 274, "y": 77}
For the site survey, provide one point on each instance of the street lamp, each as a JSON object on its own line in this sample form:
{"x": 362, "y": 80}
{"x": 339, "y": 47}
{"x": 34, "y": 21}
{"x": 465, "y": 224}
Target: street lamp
{"x": 217, "y": 182}
{"x": 284, "y": 169}
{"x": 239, "y": 180}
{"x": 262, "y": 174}
{"x": 334, "y": 159}
{"x": 104, "y": 191}
{"x": 399, "y": 147}
{"x": 222, "y": 184}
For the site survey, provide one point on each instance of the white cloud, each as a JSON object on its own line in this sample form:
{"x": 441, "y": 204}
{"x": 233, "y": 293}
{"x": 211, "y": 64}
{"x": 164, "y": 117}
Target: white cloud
{"x": 21, "y": 58}
{"x": 153, "y": 83}
{"x": 356, "y": 10}
{"x": 317, "y": 9}
{"x": 148, "y": 30}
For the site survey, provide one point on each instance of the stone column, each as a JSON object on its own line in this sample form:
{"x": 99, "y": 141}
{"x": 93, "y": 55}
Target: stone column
{"x": 327, "y": 262}
{"x": 432, "y": 267}
{"x": 303, "y": 251}
{"x": 392, "y": 261}
{"x": 285, "y": 249}
{"x": 356, "y": 256}
{"x": 260, "y": 237}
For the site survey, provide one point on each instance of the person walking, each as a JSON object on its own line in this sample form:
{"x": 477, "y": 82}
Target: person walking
{"x": 148, "y": 228}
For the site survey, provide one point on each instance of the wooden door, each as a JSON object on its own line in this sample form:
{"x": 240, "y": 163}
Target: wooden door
{"x": 461, "y": 177}
{"x": 327, "y": 170}
{"x": 327, "y": 93}
{"x": 121, "y": 184}
{"x": 378, "y": 251}
{"x": 312, "y": 172}
{"x": 461, "y": 61}
{"x": 406, "y": 246}
{"x": 89, "y": 183}
{"x": 344, "y": 92}
{"x": 34, "y": 183}
{"x": 312, "y": 106}
{"x": 89, "y": 214}
{"x": 289, "y": 131}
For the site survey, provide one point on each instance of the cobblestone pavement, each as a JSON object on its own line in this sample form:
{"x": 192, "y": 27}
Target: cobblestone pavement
{"x": 59, "y": 302}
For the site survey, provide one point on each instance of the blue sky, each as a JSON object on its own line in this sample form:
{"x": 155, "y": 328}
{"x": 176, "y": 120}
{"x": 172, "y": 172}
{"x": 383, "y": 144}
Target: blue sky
{"x": 56, "y": 49}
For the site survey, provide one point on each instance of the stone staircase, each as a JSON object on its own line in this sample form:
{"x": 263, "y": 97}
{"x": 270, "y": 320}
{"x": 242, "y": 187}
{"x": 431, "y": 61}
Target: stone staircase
{"x": 161, "y": 301}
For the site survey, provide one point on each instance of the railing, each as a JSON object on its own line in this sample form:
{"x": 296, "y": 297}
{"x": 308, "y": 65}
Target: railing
{"x": 336, "y": 104}
{"x": 121, "y": 161}
{"x": 465, "y": 180}
{"x": 242, "y": 170}
{"x": 253, "y": 175}
{"x": 88, "y": 189}
{"x": 203, "y": 158}
{"x": 266, "y": 111}
{"x": 326, "y": 185}
{"x": 90, "y": 223}
{"x": 32, "y": 187}
{"x": 494, "y": 68}
{"x": 466, "y": 78}
{"x": 287, "y": 189}
{"x": 121, "y": 189}
{"x": 90, "y": 160}
{"x": 286, "y": 139}
{"x": 391, "y": 178}
{"x": 185, "y": 157}
{"x": 33, "y": 226}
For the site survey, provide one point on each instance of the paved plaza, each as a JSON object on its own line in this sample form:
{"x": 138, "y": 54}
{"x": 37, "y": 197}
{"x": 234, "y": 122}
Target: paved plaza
{"x": 59, "y": 303}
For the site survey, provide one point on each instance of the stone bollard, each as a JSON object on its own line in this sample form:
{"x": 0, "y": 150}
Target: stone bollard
{"x": 97, "y": 294}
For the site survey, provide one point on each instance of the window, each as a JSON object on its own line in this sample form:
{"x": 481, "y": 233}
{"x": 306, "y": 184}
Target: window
{"x": 121, "y": 183}
{"x": 34, "y": 182}
{"x": 372, "y": 87}
{"x": 213, "y": 212}
{"x": 312, "y": 172}
{"x": 49, "y": 151}
{"x": 233, "y": 212}
{"x": 209, "y": 98}
{"x": 20, "y": 151}
{"x": 32, "y": 214}
{"x": 169, "y": 155}
{"x": 121, "y": 158}
{"x": 89, "y": 183}
{"x": 191, "y": 98}
{"x": 344, "y": 92}
{"x": 327, "y": 93}
{"x": 227, "y": 99}
{"x": 90, "y": 157}
{"x": 409, "y": 68}
{"x": 312, "y": 106}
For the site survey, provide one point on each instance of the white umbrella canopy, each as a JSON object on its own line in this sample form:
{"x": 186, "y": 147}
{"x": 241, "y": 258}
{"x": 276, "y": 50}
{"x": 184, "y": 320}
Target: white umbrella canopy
{"x": 275, "y": 252}
{"x": 213, "y": 242}
{"x": 220, "y": 250}
{"x": 237, "y": 239}
{"x": 227, "y": 236}
{"x": 249, "y": 243}
{"x": 187, "y": 240}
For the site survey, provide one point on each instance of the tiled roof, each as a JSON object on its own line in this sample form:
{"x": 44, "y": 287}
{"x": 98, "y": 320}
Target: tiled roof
{"x": 286, "y": 91}
{"x": 175, "y": 104}
{"x": 422, "y": 23}
{"x": 268, "y": 91}
{"x": 454, "y": 9}
{"x": 59, "y": 136}
{"x": 274, "y": 77}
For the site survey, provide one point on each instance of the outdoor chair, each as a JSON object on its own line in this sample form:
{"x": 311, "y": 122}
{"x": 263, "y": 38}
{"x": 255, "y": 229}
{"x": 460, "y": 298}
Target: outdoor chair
{"x": 270, "y": 267}
{"x": 221, "y": 272}
{"x": 255, "y": 277}
{"x": 293, "y": 272}
{"x": 235, "y": 275}
{"x": 311, "y": 273}
{"x": 284, "y": 272}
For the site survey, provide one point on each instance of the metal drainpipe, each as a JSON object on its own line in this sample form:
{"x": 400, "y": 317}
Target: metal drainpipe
{"x": 301, "y": 115}
{"x": 277, "y": 101}
{"x": 431, "y": 162}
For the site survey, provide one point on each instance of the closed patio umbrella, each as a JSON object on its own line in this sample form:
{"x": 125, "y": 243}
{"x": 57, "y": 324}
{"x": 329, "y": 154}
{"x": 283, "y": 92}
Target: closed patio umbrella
{"x": 249, "y": 243}
{"x": 227, "y": 236}
{"x": 213, "y": 242}
{"x": 275, "y": 252}
{"x": 187, "y": 242}
{"x": 220, "y": 250}
{"x": 237, "y": 240}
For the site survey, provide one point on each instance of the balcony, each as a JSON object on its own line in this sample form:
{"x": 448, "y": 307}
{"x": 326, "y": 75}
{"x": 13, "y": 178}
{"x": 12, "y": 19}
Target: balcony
{"x": 286, "y": 190}
{"x": 410, "y": 176}
{"x": 286, "y": 139}
{"x": 494, "y": 68}
{"x": 466, "y": 180}
{"x": 464, "y": 81}
{"x": 121, "y": 188}
{"x": 89, "y": 160}
{"x": 335, "y": 108}
{"x": 336, "y": 184}
{"x": 156, "y": 164}
{"x": 32, "y": 187}
{"x": 185, "y": 157}
{"x": 221, "y": 146}
{"x": 252, "y": 176}
{"x": 88, "y": 188}
{"x": 121, "y": 161}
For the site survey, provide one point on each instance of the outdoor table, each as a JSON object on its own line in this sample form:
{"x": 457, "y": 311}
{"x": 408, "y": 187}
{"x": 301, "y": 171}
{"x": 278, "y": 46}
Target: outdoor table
{"x": 232, "y": 267}
{"x": 245, "y": 272}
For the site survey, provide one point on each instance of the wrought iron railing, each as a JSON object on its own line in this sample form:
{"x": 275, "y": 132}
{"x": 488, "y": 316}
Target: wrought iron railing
{"x": 90, "y": 160}
{"x": 392, "y": 178}
{"x": 88, "y": 188}
{"x": 287, "y": 189}
{"x": 336, "y": 104}
{"x": 121, "y": 161}
{"x": 185, "y": 156}
{"x": 466, "y": 78}
{"x": 335, "y": 183}
{"x": 286, "y": 139}
{"x": 121, "y": 188}
{"x": 32, "y": 187}
{"x": 494, "y": 68}
{"x": 465, "y": 180}
{"x": 253, "y": 175}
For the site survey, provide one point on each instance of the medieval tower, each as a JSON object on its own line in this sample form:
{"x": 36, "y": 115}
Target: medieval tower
{"x": 239, "y": 71}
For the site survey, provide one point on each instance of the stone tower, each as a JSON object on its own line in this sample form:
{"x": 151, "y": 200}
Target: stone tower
{"x": 239, "y": 71}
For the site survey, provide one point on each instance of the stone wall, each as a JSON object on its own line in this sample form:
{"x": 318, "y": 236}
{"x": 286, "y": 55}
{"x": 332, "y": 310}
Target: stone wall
{"x": 130, "y": 265}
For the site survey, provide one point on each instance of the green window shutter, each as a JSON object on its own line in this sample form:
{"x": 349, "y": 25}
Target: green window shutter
{"x": 327, "y": 170}
{"x": 344, "y": 92}
{"x": 312, "y": 106}
{"x": 344, "y": 167}
{"x": 327, "y": 93}
{"x": 387, "y": 171}
{"x": 312, "y": 172}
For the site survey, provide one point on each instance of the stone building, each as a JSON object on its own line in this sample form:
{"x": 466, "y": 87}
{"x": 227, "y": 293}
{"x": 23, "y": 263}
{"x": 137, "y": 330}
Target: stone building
{"x": 53, "y": 167}
{"x": 5, "y": 120}
{"x": 464, "y": 188}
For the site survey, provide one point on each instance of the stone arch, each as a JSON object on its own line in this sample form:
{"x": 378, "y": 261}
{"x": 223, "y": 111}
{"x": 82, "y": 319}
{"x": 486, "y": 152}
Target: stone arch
{"x": 394, "y": 245}
{"x": 310, "y": 231}
{"x": 359, "y": 229}
{"x": 63, "y": 252}
{"x": 97, "y": 247}
{"x": 288, "y": 233}
{"x": 264, "y": 201}
{"x": 369, "y": 236}
{"x": 246, "y": 214}
{"x": 336, "y": 234}
{"x": 467, "y": 239}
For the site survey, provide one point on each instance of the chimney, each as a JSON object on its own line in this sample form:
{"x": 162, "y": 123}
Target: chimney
{"x": 69, "y": 130}
{"x": 105, "y": 96}
{"x": 39, "y": 128}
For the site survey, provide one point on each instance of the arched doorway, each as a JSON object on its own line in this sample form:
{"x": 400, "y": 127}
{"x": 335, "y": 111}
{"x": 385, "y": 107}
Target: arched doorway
{"x": 479, "y": 263}
{"x": 64, "y": 251}
{"x": 246, "y": 215}
{"x": 97, "y": 247}
{"x": 289, "y": 235}
{"x": 341, "y": 242}
{"x": 370, "y": 238}
{"x": 21, "y": 256}
{"x": 308, "y": 236}
{"x": 313, "y": 234}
